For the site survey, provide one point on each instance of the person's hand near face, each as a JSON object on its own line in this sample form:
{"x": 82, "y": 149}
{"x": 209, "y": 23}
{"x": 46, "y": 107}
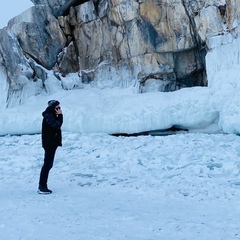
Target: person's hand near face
{"x": 58, "y": 110}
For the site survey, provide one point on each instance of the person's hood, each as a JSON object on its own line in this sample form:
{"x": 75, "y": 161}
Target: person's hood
{"x": 51, "y": 107}
{"x": 48, "y": 110}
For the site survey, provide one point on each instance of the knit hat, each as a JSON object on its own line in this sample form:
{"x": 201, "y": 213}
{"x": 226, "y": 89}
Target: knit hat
{"x": 53, "y": 103}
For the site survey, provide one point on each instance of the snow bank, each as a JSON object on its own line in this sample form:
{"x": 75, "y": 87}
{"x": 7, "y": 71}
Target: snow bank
{"x": 118, "y": 110}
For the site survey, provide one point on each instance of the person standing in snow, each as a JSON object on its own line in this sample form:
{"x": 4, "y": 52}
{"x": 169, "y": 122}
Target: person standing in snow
{"x": 51, "y": 139}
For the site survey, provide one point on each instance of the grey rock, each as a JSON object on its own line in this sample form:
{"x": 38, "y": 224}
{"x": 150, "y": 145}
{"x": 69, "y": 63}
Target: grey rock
{"x": 58, "y": 7}
{"x": 68, "y": 60}
{"x": 15, "y": 68}
{"x": 39, "y": 35}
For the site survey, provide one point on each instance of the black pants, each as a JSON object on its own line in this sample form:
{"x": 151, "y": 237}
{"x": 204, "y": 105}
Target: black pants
{"x": 48, "y": 163}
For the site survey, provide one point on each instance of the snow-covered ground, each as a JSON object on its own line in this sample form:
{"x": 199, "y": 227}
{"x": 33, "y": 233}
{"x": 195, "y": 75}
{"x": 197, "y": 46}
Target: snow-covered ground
{"x": 183, "y": 186}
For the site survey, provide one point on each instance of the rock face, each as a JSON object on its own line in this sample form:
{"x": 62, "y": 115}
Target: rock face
{"x": 158, "y": 45}
{"x": 59, "y": 7}
{"x": 39, "y": 35}
{"x": 15, "y": 69}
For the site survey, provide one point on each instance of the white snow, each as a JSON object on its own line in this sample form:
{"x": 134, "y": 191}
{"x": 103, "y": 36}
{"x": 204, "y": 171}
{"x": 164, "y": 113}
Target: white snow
{"x": 182, "y": 186}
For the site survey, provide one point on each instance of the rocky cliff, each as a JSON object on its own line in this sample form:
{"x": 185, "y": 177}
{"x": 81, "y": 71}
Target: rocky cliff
{"x": 156, "y": 45}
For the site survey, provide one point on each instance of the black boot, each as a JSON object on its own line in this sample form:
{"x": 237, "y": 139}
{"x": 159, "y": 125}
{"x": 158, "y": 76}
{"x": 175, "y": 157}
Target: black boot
{"x": 44, "y": 190}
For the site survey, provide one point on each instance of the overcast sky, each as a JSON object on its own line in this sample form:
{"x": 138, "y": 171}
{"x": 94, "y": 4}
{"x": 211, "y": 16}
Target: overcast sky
{"x": 10, "y": 9}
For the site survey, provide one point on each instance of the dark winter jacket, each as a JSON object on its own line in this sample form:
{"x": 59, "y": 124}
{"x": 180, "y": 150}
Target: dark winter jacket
{"x": 51, "y": 128}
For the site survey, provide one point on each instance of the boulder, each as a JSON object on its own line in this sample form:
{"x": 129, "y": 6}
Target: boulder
{"x": 39, "y": 35}
{"x": 15, "y": 70}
